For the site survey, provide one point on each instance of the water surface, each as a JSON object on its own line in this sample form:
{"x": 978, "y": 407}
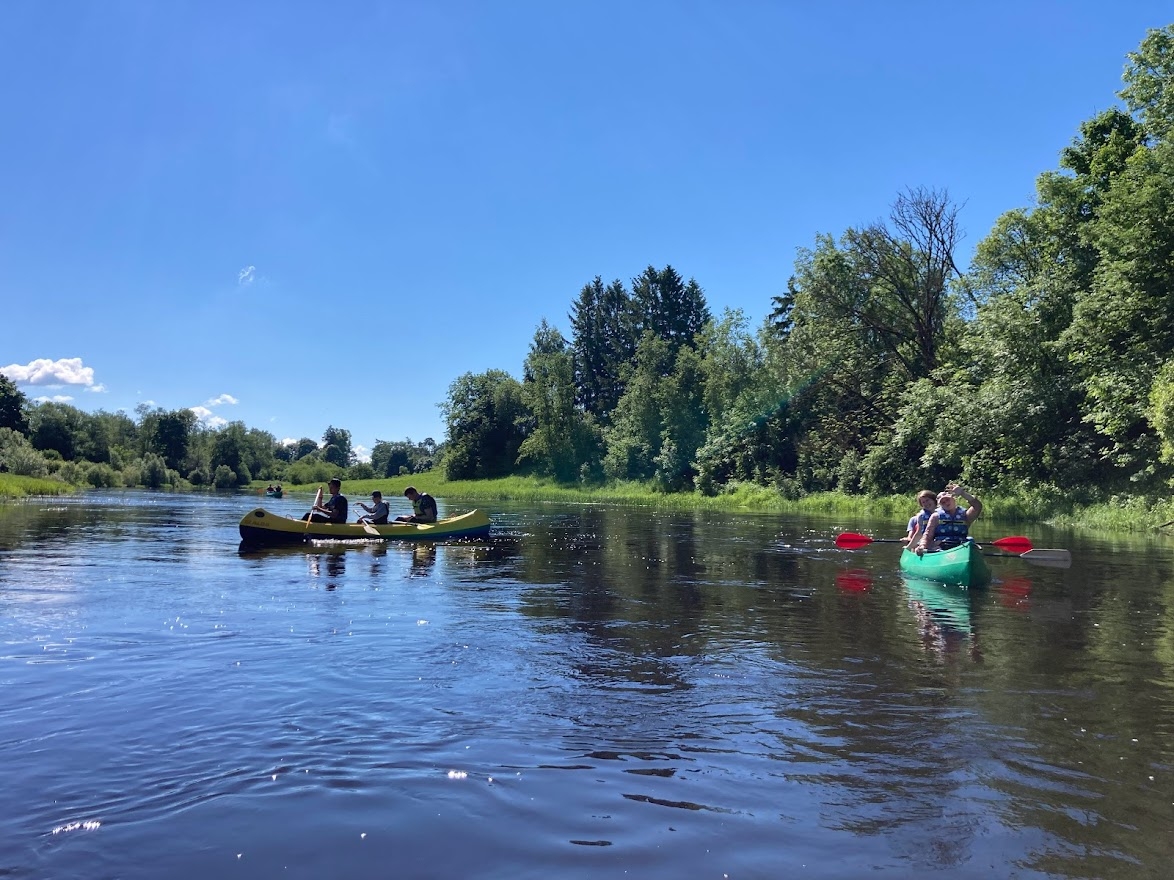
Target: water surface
{"x": 592, "y": 692}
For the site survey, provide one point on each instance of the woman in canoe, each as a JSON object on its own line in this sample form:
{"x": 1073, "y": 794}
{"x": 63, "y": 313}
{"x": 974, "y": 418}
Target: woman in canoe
{"x": 927, "y": 501}
{"x": 949, "y": 525}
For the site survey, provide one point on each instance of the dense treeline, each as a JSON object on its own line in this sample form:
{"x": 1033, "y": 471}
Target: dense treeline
{"x": 170, "y": 448}
{"x": 1047, "y": 364}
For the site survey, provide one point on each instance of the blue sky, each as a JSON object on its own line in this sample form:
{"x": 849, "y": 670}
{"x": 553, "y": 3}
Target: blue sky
{"x": 305, "y": 214}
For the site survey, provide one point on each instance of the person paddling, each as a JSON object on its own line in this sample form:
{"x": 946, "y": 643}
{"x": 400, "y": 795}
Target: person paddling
{"x": 333, "y": 509}
{"x": 949, "y": 525}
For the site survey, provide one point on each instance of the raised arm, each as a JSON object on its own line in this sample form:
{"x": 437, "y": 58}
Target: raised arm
{"x": 973, "y": 505}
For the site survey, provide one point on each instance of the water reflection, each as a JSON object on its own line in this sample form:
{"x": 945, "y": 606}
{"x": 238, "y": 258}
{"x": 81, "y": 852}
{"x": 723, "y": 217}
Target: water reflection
{"x": 590, "y": 679}
{"x": 944, "y": 618}
{"x": 328, "y": 564}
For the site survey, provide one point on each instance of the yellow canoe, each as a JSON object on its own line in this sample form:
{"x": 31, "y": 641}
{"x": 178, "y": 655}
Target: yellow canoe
{"x": 259, "y": 526}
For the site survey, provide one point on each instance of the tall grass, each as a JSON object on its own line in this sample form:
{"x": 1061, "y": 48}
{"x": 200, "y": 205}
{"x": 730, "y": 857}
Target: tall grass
{"x": 1022, "y": 507}
{"x": 13, "y": 486}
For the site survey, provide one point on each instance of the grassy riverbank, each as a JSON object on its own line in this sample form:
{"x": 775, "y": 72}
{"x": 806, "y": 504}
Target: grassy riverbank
{"x": 1124, "y": 516}
{"x": 12, "y": 486}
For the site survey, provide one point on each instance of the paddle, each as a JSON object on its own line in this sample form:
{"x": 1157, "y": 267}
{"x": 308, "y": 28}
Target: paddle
{"x": 1046, "y": 558}
{"x": 1016, "y": 546}
{"x": 853, "y": 541}
{"x": 317, "y": 501}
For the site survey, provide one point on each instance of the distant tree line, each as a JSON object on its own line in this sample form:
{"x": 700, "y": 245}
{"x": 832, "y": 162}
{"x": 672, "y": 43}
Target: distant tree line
{"x": 170, "y": 448}
{"x": 1046, "y": 364}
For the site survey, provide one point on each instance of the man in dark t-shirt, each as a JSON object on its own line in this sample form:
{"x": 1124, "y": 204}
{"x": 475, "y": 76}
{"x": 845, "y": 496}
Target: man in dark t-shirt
{"x": 333, "y": 509}
{"x": 423, "y": 507}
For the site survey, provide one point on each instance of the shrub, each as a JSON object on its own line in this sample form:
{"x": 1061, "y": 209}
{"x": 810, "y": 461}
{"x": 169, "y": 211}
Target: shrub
{"x": 154, "y": 471}
{"x": 224, "y": 478}
{"x": 102, "y": 476}
{"x": 74, "y": 472}
{"x": 360, "y": 471}
{"x": 305, "y": 471}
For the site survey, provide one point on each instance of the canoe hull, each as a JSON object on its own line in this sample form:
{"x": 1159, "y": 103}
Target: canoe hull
{"x": 261, "y": 527}
{"x": 961, "y": 565}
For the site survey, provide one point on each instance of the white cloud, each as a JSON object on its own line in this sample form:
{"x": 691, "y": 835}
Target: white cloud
{"x": 207, "y": 418}
{"x": 56, "y": 398}
{"x": 246, "y": 276}
{"x": 290, "y": 441}
{"x": 42, "y": 371}
{"x": 362, "y": 453}
{"x": 223, "y": 398}
{"x": 97, "y": 389}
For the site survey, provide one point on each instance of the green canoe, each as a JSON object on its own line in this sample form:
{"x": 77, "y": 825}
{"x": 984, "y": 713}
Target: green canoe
{"x": 960, "y": 565}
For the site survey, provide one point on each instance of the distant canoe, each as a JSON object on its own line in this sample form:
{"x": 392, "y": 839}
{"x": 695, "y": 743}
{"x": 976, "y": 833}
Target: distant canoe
{"x": 960, "y": 565}
{"x": 273, "y": 493}
{"x": 262, "y": 527}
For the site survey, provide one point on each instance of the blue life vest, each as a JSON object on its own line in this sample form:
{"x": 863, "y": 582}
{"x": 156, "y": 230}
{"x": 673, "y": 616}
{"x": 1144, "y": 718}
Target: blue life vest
{"x": 952, "y": 528}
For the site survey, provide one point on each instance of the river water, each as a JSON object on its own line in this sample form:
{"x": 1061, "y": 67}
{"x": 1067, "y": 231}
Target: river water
{"x": 590, "y": 692}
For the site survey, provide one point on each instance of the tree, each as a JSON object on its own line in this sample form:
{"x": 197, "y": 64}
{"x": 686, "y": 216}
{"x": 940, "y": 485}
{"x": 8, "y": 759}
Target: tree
{"x": 1121, "y": 326}
{"x": 560, "y": 441}
{"x": 303, "y": 447}
{"x": 1149, "y": 82}
{"x": 58, "y": 426}
{"x": 167, "y": 434}
{"x": 484, "y": 413}
{"x": 12, "y": 406}
{"x": 667, "y": 307}
{"x": 603, "y": 342}
{"x": 336, "y": 447}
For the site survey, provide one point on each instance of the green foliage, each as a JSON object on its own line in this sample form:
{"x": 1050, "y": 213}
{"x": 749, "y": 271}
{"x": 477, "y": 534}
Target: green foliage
{"x": 336, "y": 447}
{"x": 602, "y": 344}
{"x": 154, "y": 472}
{"x": 1161, "y": 412}
{"x": 17, "y": 455}
{"x": 59, "y": 427}
{"x": 166, "y": 433}
{"x": 312, "y": 470}
{"x": 14, "y": 486}
{"x": 224, "y": 477}
{"x": 389, "y": 458}
{"x": 102, "y": 476}
{"x": 667, "y": 307}
{"x": 1149, "y": 82}
{"x": 486, "y": 417}
{"x": 12, "y": 406}
{"x": 561, "y": 441}
{"x": 360, "y": 471}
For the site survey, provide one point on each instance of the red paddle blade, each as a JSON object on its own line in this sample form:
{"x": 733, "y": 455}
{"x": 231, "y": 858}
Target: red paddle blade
{"x": 1013, "y": 544}
{"x": 852, "y": 541}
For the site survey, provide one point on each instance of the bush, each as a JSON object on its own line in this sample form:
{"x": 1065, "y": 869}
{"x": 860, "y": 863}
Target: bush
{"x": 360, "y": 471}
{"x": 74, "y": 472}
{"x": 199, "y": 477}
{"x": 154, "y": 471}
{"x": 24, "y": 461}
{"x": 243, "y": 477}
{"x": 305, "y": 471}
{"x": 102, "y": 476}
{"x": 224, "y": 478}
